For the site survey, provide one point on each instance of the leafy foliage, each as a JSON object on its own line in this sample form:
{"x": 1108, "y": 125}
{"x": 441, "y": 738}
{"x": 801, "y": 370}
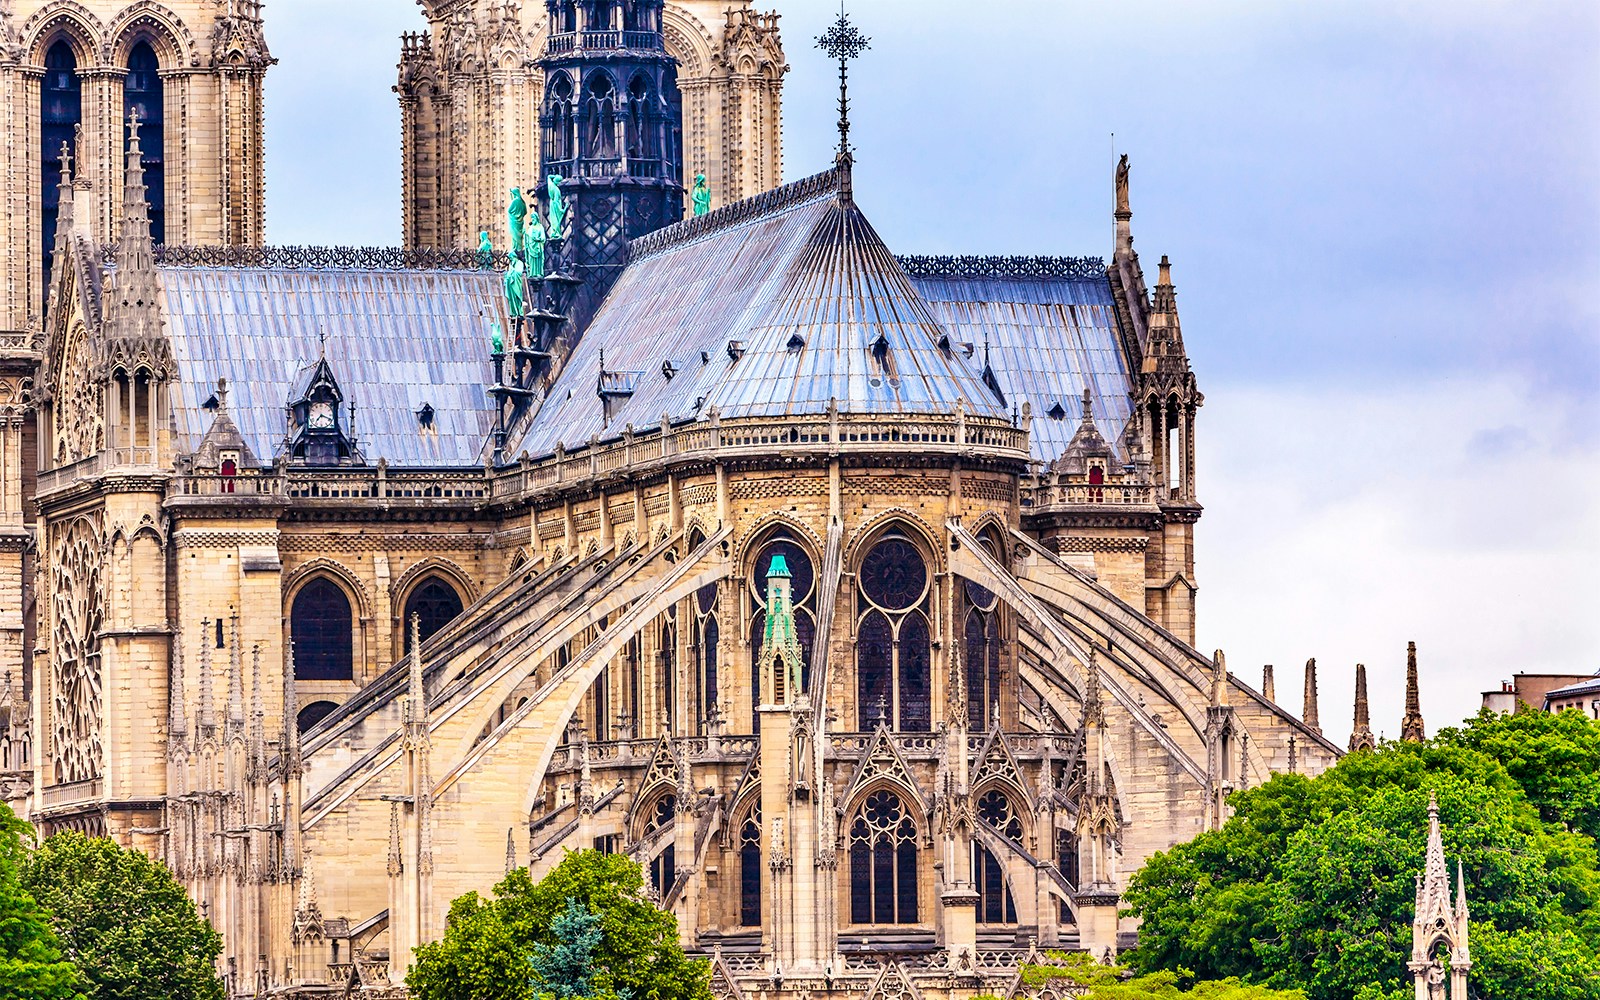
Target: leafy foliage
{"x": 31, "y": 966}
{"x": 565, "y": 967}
{"x": 495, "y": 949}
{"x": 1311, "y": 883}
{"x": 1111, "y": 982}
{"x": 127, "y": 923}
{"x": 1555, "y": 758}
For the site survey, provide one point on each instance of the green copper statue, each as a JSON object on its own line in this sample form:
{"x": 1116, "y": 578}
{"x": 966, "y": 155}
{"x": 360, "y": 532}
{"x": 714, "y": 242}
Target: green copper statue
{"x": 558, "y": 206}
{"x": 516, "y": 287}
{"x": 702, "y": 195}
{"x": 516, "y": 216}
{"x": 485, "y": 252}
{"x": 533, "y": 247}
{"x": 497, "y": 340}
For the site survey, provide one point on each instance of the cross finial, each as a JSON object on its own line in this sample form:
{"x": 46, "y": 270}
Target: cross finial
{"x": 843, "y": 42}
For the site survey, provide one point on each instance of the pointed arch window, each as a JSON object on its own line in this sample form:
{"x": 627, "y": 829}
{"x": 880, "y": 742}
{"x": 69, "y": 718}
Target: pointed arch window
{"x": 663, "y": 866}
{"x": 981, "y": 655}
{"x": 995, "y": 905}
{"x": 320, "y": 625}
{"x": 60, "y": 111}
{"x": 600, "y": 118}
{"x": 750, "y": 870}
{"x": 893, "y": 645}
{"x": 883, "y": 862}
{"x": 435, "y": 602}
{"x": 558, "y": 120}
{"x": 803, "y": 592}
{"x": 707, "y": 636}
{"x": 144, "y": 94}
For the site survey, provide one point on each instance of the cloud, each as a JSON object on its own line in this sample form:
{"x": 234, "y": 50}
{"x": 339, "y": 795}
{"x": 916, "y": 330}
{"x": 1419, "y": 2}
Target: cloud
{"x": 1342, "y": 524}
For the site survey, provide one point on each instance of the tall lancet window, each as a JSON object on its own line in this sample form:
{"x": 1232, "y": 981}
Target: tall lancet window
{"x": 60, "y": 111}
{"x": 981, "y": 655}
{"x": 803, "y": 595}
{"x": 750, "y": 870}
{"x": 706, "y": 639}
{"x": 143, "y": 95}
{"x": 893, "y": 644}
{"x": 883, "y": 863}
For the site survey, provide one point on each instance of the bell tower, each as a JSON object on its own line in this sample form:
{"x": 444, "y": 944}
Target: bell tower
{"x": 612, "y": 130}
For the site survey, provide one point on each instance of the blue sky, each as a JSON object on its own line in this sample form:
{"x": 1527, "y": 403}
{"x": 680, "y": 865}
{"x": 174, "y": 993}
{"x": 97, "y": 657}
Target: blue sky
{"x": 1384, "y": 221}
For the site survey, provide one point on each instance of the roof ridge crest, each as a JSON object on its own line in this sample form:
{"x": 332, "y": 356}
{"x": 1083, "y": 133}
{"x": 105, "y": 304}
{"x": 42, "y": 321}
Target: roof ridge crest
{"x": 745, "y": 210}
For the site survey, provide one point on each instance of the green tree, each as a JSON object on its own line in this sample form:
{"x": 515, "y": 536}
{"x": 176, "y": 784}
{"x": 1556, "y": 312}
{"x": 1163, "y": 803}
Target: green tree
{"x": 1555, "y": 758}
{"x": 128, "y": 925}
{"x": 31, "y": 966}
{"x": 489, "y": 945}
{"x": 1311, "y": 883}
{"x": 1113, "y": 982}
{"x": 565, "y": 967}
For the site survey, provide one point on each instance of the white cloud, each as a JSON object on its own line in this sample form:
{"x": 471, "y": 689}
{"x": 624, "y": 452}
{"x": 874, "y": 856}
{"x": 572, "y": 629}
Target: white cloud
{"x": 1341, "y": 524}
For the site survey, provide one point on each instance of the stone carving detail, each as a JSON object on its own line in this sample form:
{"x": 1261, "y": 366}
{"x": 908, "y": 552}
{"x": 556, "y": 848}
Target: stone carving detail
{"x": 79, "y": 416}
{"x": 76, "y": 681}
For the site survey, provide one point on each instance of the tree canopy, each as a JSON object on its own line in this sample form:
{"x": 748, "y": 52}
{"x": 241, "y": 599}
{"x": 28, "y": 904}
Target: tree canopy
{"x": 1311, "y": 883}
{"x": 533, "y": 941}
{"x": 1113, "y": 982}
{"x": 128, "y": 925}
{"x": 31, "y": 966}
{"x": 1554, "y": 757}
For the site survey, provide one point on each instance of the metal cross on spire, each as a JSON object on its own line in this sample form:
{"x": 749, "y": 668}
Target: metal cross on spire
{"x": 843, "y": 42}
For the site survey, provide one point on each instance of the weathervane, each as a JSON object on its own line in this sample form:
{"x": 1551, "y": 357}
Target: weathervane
{"x": 843, "y": 42}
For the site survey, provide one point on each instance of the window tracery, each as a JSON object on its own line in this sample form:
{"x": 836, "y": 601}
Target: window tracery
{"x": 707, "y": 637}
{"x": 994, "y": 808}
{"x": 883, "y": 862}
{"x": 663, "y": 866}
{"x": 893, "y": 643}
{"x": 435, "y": 602}
{"x": 750, "y": 870}
{"x": 76, "y": 572}
{"x": 995, "y": 905}
{"x": 79, "y": 414}
{"x": 320, "y": 624}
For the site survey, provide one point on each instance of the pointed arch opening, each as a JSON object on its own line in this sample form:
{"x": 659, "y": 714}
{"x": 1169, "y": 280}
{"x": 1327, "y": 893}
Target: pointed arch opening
{"x": 883, "y": 862}
{"x": 322, "y": 627}
{"x": 894, "y": 651}
{"x": 144, "y": 95}
{"x": 60, "y": 112}
{"x": 750, "y": 869}
{"x": 435, "y": 602}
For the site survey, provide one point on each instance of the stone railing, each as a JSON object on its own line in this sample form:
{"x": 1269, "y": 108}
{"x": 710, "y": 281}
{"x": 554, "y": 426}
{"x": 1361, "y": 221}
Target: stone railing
{"x": 1050, "y": 491}
{"x": 16, "y": 340}
{"x": 824, "y": 434}
{"x": 51, "y": 480}
{"x": 638, "y": 753}
{"x": 361, "y": 483}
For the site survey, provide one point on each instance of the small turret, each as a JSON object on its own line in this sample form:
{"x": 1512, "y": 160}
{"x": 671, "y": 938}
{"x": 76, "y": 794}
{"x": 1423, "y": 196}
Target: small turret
{"x": 1269, "y": 687}
{"x": 1361, "y": 733}
{"x": 1309, "y": 714}
{"x": 1412, "y": 729}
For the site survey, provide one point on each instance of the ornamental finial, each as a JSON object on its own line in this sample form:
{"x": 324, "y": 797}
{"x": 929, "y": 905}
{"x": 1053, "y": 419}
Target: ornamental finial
{"x": 843, "y": 42}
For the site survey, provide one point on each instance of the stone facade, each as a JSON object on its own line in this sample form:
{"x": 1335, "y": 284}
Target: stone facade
{"x": 211, "y": 60}
{"x": 472, "y": 97}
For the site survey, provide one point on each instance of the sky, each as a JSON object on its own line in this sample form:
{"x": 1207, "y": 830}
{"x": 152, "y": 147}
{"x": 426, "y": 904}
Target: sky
{"x": 1384, "y": 223}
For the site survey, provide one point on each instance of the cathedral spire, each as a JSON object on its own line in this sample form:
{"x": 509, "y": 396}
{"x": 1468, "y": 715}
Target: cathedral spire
{"x": 1361, "y": 732}
{"x": 1439, "y": 947}
{"x": 1309, "y": 714}
{"x": 1412, "y": 729}
{"x": 235, "y": 720}
{"x": 843, "y": 42}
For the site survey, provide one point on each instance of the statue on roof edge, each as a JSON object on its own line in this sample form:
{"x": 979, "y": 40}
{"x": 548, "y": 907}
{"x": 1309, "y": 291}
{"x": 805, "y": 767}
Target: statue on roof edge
{"x": 558, "y": 206}
{"x": 702, "y": 195}
{"x": 533, "y": 246}
{"x": 516, "y": 218}
{"x": 485, "y": 252}
{"x": 516, "y": 287}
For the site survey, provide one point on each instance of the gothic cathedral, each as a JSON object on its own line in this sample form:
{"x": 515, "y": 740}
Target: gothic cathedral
{"x": 851, "y": 593}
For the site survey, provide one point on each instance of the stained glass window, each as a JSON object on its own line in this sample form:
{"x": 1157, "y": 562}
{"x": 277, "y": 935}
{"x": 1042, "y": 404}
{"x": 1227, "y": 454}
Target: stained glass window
{"x": 893, "y": 645}
{"x": 61, "y": 109}
{"x": 995, "y": 905}
{"x": 320, "y": 624}
{"x": 144, "y": 94}
{"x": 750, "y": 871}
{"x": 883, "y": 863}
{"x": 436, "y": 603}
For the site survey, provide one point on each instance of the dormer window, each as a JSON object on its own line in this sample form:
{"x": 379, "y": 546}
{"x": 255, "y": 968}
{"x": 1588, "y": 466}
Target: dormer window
{"x": 317, "y": 435}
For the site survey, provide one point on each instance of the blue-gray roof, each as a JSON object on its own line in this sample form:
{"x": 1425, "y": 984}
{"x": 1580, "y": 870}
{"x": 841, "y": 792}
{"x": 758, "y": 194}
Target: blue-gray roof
{"x": 1050, "y": 331}
{"x": 801, "y": 282}
{"x": 396, "y": 339}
